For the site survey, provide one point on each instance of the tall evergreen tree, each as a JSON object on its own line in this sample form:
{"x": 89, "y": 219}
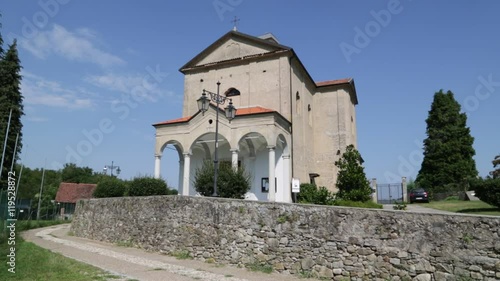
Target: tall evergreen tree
{"x": 351, "y": 180}
{"x": 10, "y": 98}
{"x": 448, "y": 152}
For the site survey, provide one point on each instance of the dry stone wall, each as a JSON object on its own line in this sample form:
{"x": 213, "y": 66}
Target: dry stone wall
{"x": 331, "y": 242}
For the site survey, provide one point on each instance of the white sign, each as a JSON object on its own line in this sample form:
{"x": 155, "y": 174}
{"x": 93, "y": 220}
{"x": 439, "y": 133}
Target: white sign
{"x": 295, "y": 185}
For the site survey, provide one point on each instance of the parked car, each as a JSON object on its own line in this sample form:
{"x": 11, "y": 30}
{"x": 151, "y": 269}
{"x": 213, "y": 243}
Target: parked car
{"x": 419, "y": 195}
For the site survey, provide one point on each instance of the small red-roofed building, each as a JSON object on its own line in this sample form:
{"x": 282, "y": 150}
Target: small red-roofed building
{"x": 69, "y": 193}
{"x": 286, "y": 125}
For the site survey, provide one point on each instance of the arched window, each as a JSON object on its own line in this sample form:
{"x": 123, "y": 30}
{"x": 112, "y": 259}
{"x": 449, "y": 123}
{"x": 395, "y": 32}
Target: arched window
{"x": 231, "y": 92}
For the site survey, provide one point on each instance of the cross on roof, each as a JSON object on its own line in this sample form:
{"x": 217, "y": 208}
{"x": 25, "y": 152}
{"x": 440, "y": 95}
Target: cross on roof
{"x": 235, "y": 22}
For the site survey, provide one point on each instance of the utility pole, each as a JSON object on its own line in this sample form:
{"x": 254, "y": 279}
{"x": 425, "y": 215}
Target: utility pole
{"x": 40, "y": 197}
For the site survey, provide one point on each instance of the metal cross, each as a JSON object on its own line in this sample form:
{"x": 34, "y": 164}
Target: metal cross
{"x": 235, "y": 22}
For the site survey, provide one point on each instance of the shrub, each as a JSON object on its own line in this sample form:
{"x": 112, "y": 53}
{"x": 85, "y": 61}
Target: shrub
{"x": 147, "y": 186}
{"x": 488, "y": 190}
{"x": 172, "y": 192}
{"x": 110, "y": 187}
{"x": 230, "y": 183}
{"x": 311, "y": 194}
{"x": 400, "y": 206}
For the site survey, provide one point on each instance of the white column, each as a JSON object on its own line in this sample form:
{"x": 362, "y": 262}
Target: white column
{"x": 157, "y": 166}
{"x": 234, "y": 159}
{"x": 272, "y": 176}
{"x": 180, "y": 180}
{"x": 374, "y": 190}
{"x": 405, "y": 189}
{"x": 287, "y": 181}
{"x": 187, "y": 167}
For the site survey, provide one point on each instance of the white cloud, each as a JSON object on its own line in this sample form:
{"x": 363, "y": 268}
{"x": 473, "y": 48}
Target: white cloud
{"x": 130, "y": 84}
{"x": 75, "y": 46}
{"x": 39, "y": 91}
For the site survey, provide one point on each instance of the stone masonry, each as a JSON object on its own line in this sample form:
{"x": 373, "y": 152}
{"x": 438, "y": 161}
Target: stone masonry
{"x": 335, "y": 243}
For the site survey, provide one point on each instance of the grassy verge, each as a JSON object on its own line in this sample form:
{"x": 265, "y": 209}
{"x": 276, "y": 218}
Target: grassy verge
{"x": 36, "y": 263}
{"x": 466, "y": 207}
{"x": 367, "y": 204}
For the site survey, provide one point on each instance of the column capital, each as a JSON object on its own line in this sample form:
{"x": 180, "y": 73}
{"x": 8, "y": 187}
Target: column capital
{"x": 271, "y": 147}
{"x": 234, "y": 150}
{"x": 157, "y": 155}
{"x": 186, "y": 154}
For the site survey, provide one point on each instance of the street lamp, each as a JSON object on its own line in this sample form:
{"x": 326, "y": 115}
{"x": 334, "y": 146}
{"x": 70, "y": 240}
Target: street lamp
{"x": 203, "y": 104}
{"x": 111, "y": 168}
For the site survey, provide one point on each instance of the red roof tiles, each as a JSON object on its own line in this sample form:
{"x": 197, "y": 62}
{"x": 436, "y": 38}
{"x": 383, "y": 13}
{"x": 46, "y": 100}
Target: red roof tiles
{"x": 72, "y": 192}
{"x": 239, "y": 112}
{"x": 252, "y": 110}
{"x": 333, "y": 82}
{"x": 178, "y": 120}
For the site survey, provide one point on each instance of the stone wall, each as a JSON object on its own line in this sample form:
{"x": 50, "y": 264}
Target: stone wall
{"x": 332, "y": 242}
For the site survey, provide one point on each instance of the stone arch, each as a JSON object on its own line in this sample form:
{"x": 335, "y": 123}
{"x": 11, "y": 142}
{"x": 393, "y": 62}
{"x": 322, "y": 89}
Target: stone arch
{"x": 178, "y": 146}
{"x": 283, "y": 169}
{"x": 179, "y": 149}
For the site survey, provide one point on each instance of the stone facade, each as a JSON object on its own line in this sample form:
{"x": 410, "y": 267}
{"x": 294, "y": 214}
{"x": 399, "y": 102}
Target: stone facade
{"x": 331, "y": 242}
{"x": 287, "y": 125}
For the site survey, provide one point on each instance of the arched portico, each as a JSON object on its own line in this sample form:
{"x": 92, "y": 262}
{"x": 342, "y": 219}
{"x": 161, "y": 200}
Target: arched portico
{"x": 259, "y": 144}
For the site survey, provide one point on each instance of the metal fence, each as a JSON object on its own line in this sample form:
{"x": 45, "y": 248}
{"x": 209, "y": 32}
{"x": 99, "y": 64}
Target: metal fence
{"x": 389, "y": 193}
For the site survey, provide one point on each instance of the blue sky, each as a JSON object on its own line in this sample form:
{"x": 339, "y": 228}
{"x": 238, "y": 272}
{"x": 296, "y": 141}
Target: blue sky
{"x": 82, "y": 59}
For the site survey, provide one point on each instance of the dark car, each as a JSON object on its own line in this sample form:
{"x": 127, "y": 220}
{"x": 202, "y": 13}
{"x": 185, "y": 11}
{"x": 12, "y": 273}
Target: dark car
{"x": 419, "y": 195}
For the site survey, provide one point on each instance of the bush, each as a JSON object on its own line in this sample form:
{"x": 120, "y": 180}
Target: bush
{"x": 311, "y": 194}
{"x": 147, "y": 186}
{"x": 230, "y": 183}
{"x": 400, "y": 206}
{"x": 488, "y": 190}
{"x": 110, "y": 187}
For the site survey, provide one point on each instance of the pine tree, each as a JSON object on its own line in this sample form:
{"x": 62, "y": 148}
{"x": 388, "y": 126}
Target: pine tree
{"x": 10, "y": 98}
{"x": 351, "y": 180}
{"x": 448, "y": 147}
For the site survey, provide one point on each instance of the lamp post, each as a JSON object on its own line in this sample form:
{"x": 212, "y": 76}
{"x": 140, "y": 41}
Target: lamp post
{"x": 111, "y": 168}
{"x": 203, "y": 103}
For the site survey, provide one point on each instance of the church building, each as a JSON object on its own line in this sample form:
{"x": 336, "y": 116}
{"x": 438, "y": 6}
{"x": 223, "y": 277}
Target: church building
{"x": 286, "y": 125}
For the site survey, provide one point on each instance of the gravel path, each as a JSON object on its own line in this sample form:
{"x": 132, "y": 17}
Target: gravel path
{"x": 419, "y": 208}
{"x": 136, "y": 264}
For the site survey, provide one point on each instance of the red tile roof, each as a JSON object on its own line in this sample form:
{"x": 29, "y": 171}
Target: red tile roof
{"x": 252, "y": 110}
{"x": 239, "y": 112}
{"x": 333, "y": 82}
{"x": 72, "y": 192}
{"x": 173, "y": 121}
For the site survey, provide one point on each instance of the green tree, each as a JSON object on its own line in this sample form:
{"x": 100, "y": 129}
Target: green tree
{"x": 488, "y": 190}
{"x": 230, "y": 183}
{"x": 351, "y": 180}
{"x": 448, "y": 147}
{"x": 75, "y": 174}
{"x": 496, "y": 165}
{"x": 10, "y": 99}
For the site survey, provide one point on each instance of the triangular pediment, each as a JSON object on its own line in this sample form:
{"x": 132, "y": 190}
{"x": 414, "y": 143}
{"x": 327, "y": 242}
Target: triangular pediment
{"x": 233, "y": 45}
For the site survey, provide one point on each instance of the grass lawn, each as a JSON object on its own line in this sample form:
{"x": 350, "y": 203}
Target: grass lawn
{"x": 467, "y": 207}
{"x": 36, "y": 263}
